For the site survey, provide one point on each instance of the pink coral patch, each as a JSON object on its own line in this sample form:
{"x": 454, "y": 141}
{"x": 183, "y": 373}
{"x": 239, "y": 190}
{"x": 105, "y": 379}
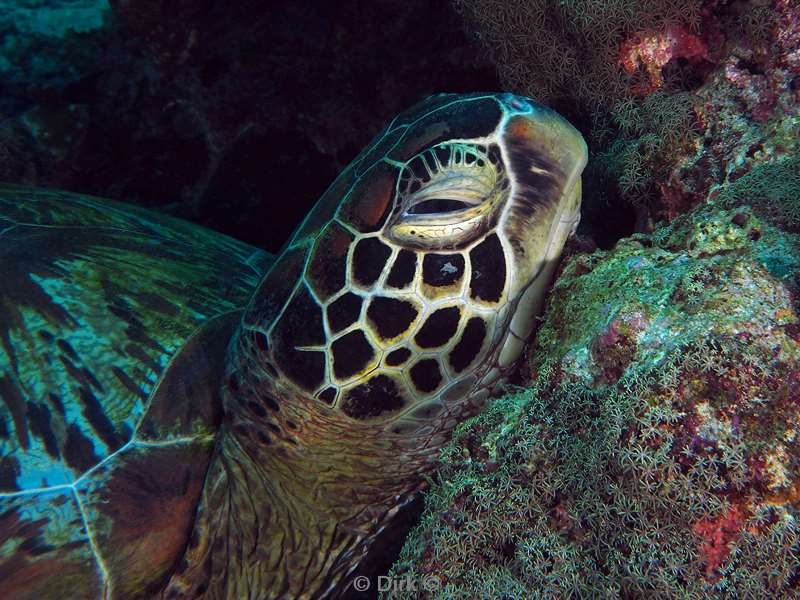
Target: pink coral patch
{"x": 717, "y": 535}
{"x": 652, "y": 51}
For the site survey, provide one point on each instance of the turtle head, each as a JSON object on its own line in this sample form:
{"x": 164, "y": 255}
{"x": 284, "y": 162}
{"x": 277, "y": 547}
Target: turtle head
{"x": 408, "y": 291}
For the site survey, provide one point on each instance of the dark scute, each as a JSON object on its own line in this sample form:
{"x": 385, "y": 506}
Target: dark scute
{"x": 271, "y": 403}
{"x": 326, "y": 206}
{"x": 488, "y": 270}
{"x": 305, "y": 368}
{"x": 369, "y": 258}
{"x": 351, "y": 353}
{"x": 301, "y": 322}
{"x": 397, "y": 357}
{"x": 371, "y": 398}
{"x": 442, "y": 269}
{"x": 261, "y": 341}
{"x": 102, "y": 425}
{"x": 328, "y": 265}
{"x": 328, "y": 395}
{"x": 390, "y": 317}
{"x": 39, "y": 420}
{"x": 445, "y": 120}
{"x": 426, "y": 375}
{"x": 344, "y": 311}
{"x": 300, "y": 325}
{"x": 276, "y": 287}
{"x": 9, "y": 471}
{"x": 369, "y": 203}
{"x": 439, "y": 328}
{"x": 469, "y": 345}
{"x": 78, "y": 450}
{"x": 402, "y": 273}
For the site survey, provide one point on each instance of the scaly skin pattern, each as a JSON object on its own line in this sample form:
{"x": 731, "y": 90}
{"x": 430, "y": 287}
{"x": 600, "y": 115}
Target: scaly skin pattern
{"x": 396, "y": 308}
{"x": 281, "y": 427}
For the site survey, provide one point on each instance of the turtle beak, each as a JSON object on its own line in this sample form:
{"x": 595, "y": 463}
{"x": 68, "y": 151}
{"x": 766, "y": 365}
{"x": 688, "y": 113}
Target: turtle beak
{"x": 546, "y": 152}
{"x": 546, "y": 156}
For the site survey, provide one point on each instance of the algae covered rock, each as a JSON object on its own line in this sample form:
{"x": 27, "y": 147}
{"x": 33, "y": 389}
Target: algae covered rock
{"x": 47, "y": 43}
{"x": 657, "y": 452}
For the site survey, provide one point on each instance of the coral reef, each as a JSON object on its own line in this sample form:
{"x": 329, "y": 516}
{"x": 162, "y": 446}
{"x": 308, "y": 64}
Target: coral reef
{"x": 657, "y": 452}
{"x": 571, "y": 50}
{"x": 654, "y": 450}
{"x": 675, "y": 97}
{"x": 48, "y": 44}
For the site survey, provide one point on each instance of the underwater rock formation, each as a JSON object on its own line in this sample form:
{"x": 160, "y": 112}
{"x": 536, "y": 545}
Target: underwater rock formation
{"x": 674, "y": 97}
{"x": 655, "y": 448}
{"x": 47, "y": 44}
{"x": 657, "y": 451}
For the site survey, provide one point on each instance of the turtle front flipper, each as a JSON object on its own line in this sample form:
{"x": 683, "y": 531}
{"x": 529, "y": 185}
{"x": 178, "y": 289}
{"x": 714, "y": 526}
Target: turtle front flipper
{"x": 113, "y": 329}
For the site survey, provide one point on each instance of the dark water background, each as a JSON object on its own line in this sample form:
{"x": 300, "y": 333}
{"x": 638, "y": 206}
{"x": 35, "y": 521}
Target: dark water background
{"x": 235, "y": 115}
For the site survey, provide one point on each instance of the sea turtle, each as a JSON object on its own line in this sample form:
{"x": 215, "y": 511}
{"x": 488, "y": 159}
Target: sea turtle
{"x": 183, "y": 416}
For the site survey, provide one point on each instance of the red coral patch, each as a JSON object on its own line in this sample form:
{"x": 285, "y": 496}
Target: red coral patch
{"x": 717, "y": 535}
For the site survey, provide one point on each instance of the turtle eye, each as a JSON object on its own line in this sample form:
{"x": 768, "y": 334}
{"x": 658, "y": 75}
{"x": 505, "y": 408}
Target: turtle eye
{"x": 437, "y": 206}
{"x": 448, "y": 195}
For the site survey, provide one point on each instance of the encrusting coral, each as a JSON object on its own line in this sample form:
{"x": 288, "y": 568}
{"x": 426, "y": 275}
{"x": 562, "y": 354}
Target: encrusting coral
{"x": 674, "y": 96}
{"x": 657, "y": 452}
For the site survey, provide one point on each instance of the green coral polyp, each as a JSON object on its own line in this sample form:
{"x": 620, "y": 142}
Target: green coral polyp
{"x": 678, "y": 479}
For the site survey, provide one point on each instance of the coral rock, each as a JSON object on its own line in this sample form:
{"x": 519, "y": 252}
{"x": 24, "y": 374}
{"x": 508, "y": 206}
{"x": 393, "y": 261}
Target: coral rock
{"x": 657, "y": 451}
